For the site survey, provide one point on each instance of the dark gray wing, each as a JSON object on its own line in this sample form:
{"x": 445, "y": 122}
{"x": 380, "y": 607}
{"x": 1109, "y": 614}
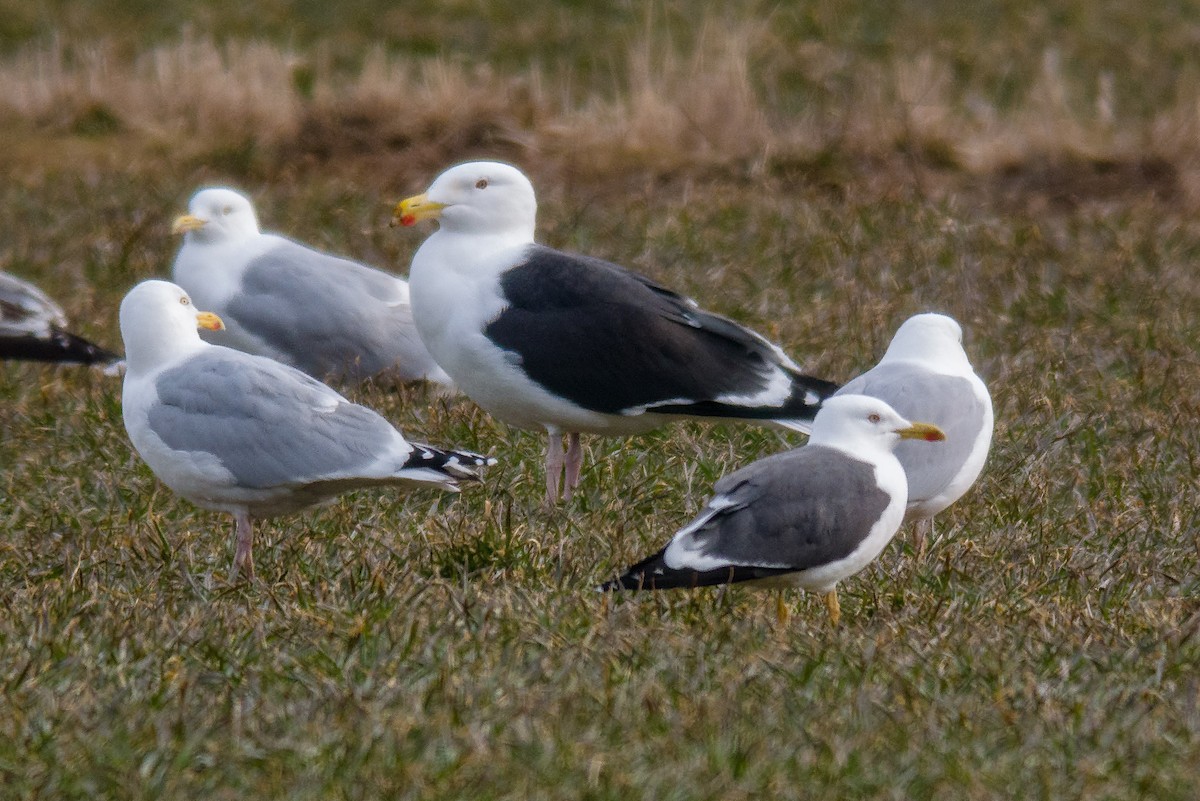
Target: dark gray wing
{"x": 789, "y": 512}
{"x": 613, "y": 341}
{"x": 268, "y": 424}
{"x": 331, "y": 316}
{"x": 949, "y": 402}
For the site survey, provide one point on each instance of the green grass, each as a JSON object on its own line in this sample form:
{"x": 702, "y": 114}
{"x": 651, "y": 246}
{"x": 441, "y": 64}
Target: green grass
{"x": 424, "y": 646}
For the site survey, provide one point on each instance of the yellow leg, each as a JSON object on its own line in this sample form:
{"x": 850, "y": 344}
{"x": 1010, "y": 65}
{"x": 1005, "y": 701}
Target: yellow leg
{"x": 781, "y": 609}
{"x": 835, "y": 609}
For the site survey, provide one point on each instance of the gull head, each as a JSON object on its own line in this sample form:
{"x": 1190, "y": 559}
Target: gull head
{"x": 857, "y": 423}
{"x": 158, "y": 320}
{"x": 217, "y": 214}
{"x": 483, "y": 197}
{"x": 931, "y": 338}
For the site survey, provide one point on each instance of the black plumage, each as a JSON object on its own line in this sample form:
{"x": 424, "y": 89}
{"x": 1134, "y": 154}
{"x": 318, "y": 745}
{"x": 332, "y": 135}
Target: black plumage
{"x": 33, "y": 328}
{"x": 613, "y": 341}
{"x": 59, "y": 346}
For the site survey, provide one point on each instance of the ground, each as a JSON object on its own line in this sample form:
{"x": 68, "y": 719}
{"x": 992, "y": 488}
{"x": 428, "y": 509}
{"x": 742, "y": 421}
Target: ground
{"x": 422, "y": 646}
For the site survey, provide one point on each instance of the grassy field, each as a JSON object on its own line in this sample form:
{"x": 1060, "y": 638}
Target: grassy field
{"x": 1041, "y": 188}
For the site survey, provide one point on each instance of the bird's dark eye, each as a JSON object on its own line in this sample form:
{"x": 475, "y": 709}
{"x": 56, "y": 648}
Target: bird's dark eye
{"x": 481, "y": 183}
{"x": 874, "y": 418}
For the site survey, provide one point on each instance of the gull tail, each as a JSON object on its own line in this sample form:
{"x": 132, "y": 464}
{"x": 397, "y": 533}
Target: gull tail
{"x": 60, "y": 346}
{"x": 805, "y": 395}
{"x": 429, "y": 465}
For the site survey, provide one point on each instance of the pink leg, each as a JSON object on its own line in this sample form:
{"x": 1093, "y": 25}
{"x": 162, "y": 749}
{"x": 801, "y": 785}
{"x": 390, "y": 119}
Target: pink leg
{"x": 243, "y": 558}
{"x": 573, "y": 466}
{"x": 919, "y": 536}
{"x": 554, "y": 467}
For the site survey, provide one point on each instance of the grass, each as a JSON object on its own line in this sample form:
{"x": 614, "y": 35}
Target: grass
{"x": 428, "y": 647}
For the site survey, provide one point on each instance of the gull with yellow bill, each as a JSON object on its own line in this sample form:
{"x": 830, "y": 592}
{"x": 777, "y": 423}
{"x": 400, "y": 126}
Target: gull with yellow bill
{"x": 548, "y": 340}
{"x": 244, "y": 434}
{"x": 805, "y": 518}
{"x": 333, "y": 318}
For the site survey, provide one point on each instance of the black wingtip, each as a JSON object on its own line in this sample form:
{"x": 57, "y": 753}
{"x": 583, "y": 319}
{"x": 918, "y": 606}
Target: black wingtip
{"x": 808, "y": 393}
{"x": 803, "y": 403}
{"x": 60, "y": 346}
{"x": 457, "y": 465}
{"x": 653, "y": 573}
{"x": 636, "y": 577}
{"x": 823, "y": 389}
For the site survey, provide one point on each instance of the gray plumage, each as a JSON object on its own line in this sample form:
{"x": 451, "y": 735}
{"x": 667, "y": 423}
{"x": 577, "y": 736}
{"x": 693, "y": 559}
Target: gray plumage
{"x": 806, "y": 518}
{"x": 309, "y": 305}
{"x": 247, "y": 435}
{"x": 784, "y": 514}
{"x": 946, "y": 400}
{"x": 805, "y": 507}
{"x": 925, "y": 374}
{"x": 267, "y": 424}
{"x": 331, "y": 317}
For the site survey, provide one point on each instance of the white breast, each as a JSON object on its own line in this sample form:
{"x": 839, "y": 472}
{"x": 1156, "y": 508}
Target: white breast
{"x": 455, "y": 294}
{"x": 212, "y": 274}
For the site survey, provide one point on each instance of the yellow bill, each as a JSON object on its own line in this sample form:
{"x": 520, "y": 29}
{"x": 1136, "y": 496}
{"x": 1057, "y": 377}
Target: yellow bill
{"x": 926, "y": 431}
{"x": 413, "y": 209}
{"x": 209, "y": 321}
{"x": 185, "y": 223}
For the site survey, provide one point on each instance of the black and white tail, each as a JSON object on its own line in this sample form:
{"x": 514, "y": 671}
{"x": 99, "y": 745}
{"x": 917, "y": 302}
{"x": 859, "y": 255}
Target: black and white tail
{"x": 797, "y": 410}
{"x": 430, "y": 465}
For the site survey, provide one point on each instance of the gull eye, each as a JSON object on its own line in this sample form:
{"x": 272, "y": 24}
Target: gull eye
{"x": 184, "y": 301}
{"x": 874, "y": 418}
{"x": 227, "y": 210}
{"x": 481, "y": 183}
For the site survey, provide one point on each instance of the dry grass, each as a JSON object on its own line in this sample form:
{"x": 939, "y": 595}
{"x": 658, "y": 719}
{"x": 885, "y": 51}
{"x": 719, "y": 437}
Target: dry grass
{"x": 665, "y": 111}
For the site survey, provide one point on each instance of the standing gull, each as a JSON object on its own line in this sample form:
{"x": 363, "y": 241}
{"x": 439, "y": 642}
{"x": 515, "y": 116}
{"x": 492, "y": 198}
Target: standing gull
{"x": 925, "y": 373}
{"x": 807, "y": 518}
{"x": 247, "y": 435}
{"x": 330, "y": 317}
{"x": 34, "y": 328}
{"x": 544, "y": 339}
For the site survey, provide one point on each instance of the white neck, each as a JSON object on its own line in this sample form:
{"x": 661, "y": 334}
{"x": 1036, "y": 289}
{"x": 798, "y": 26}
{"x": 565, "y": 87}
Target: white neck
{"x": 447, "y": 249}
{"x": 154, "y": 354}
